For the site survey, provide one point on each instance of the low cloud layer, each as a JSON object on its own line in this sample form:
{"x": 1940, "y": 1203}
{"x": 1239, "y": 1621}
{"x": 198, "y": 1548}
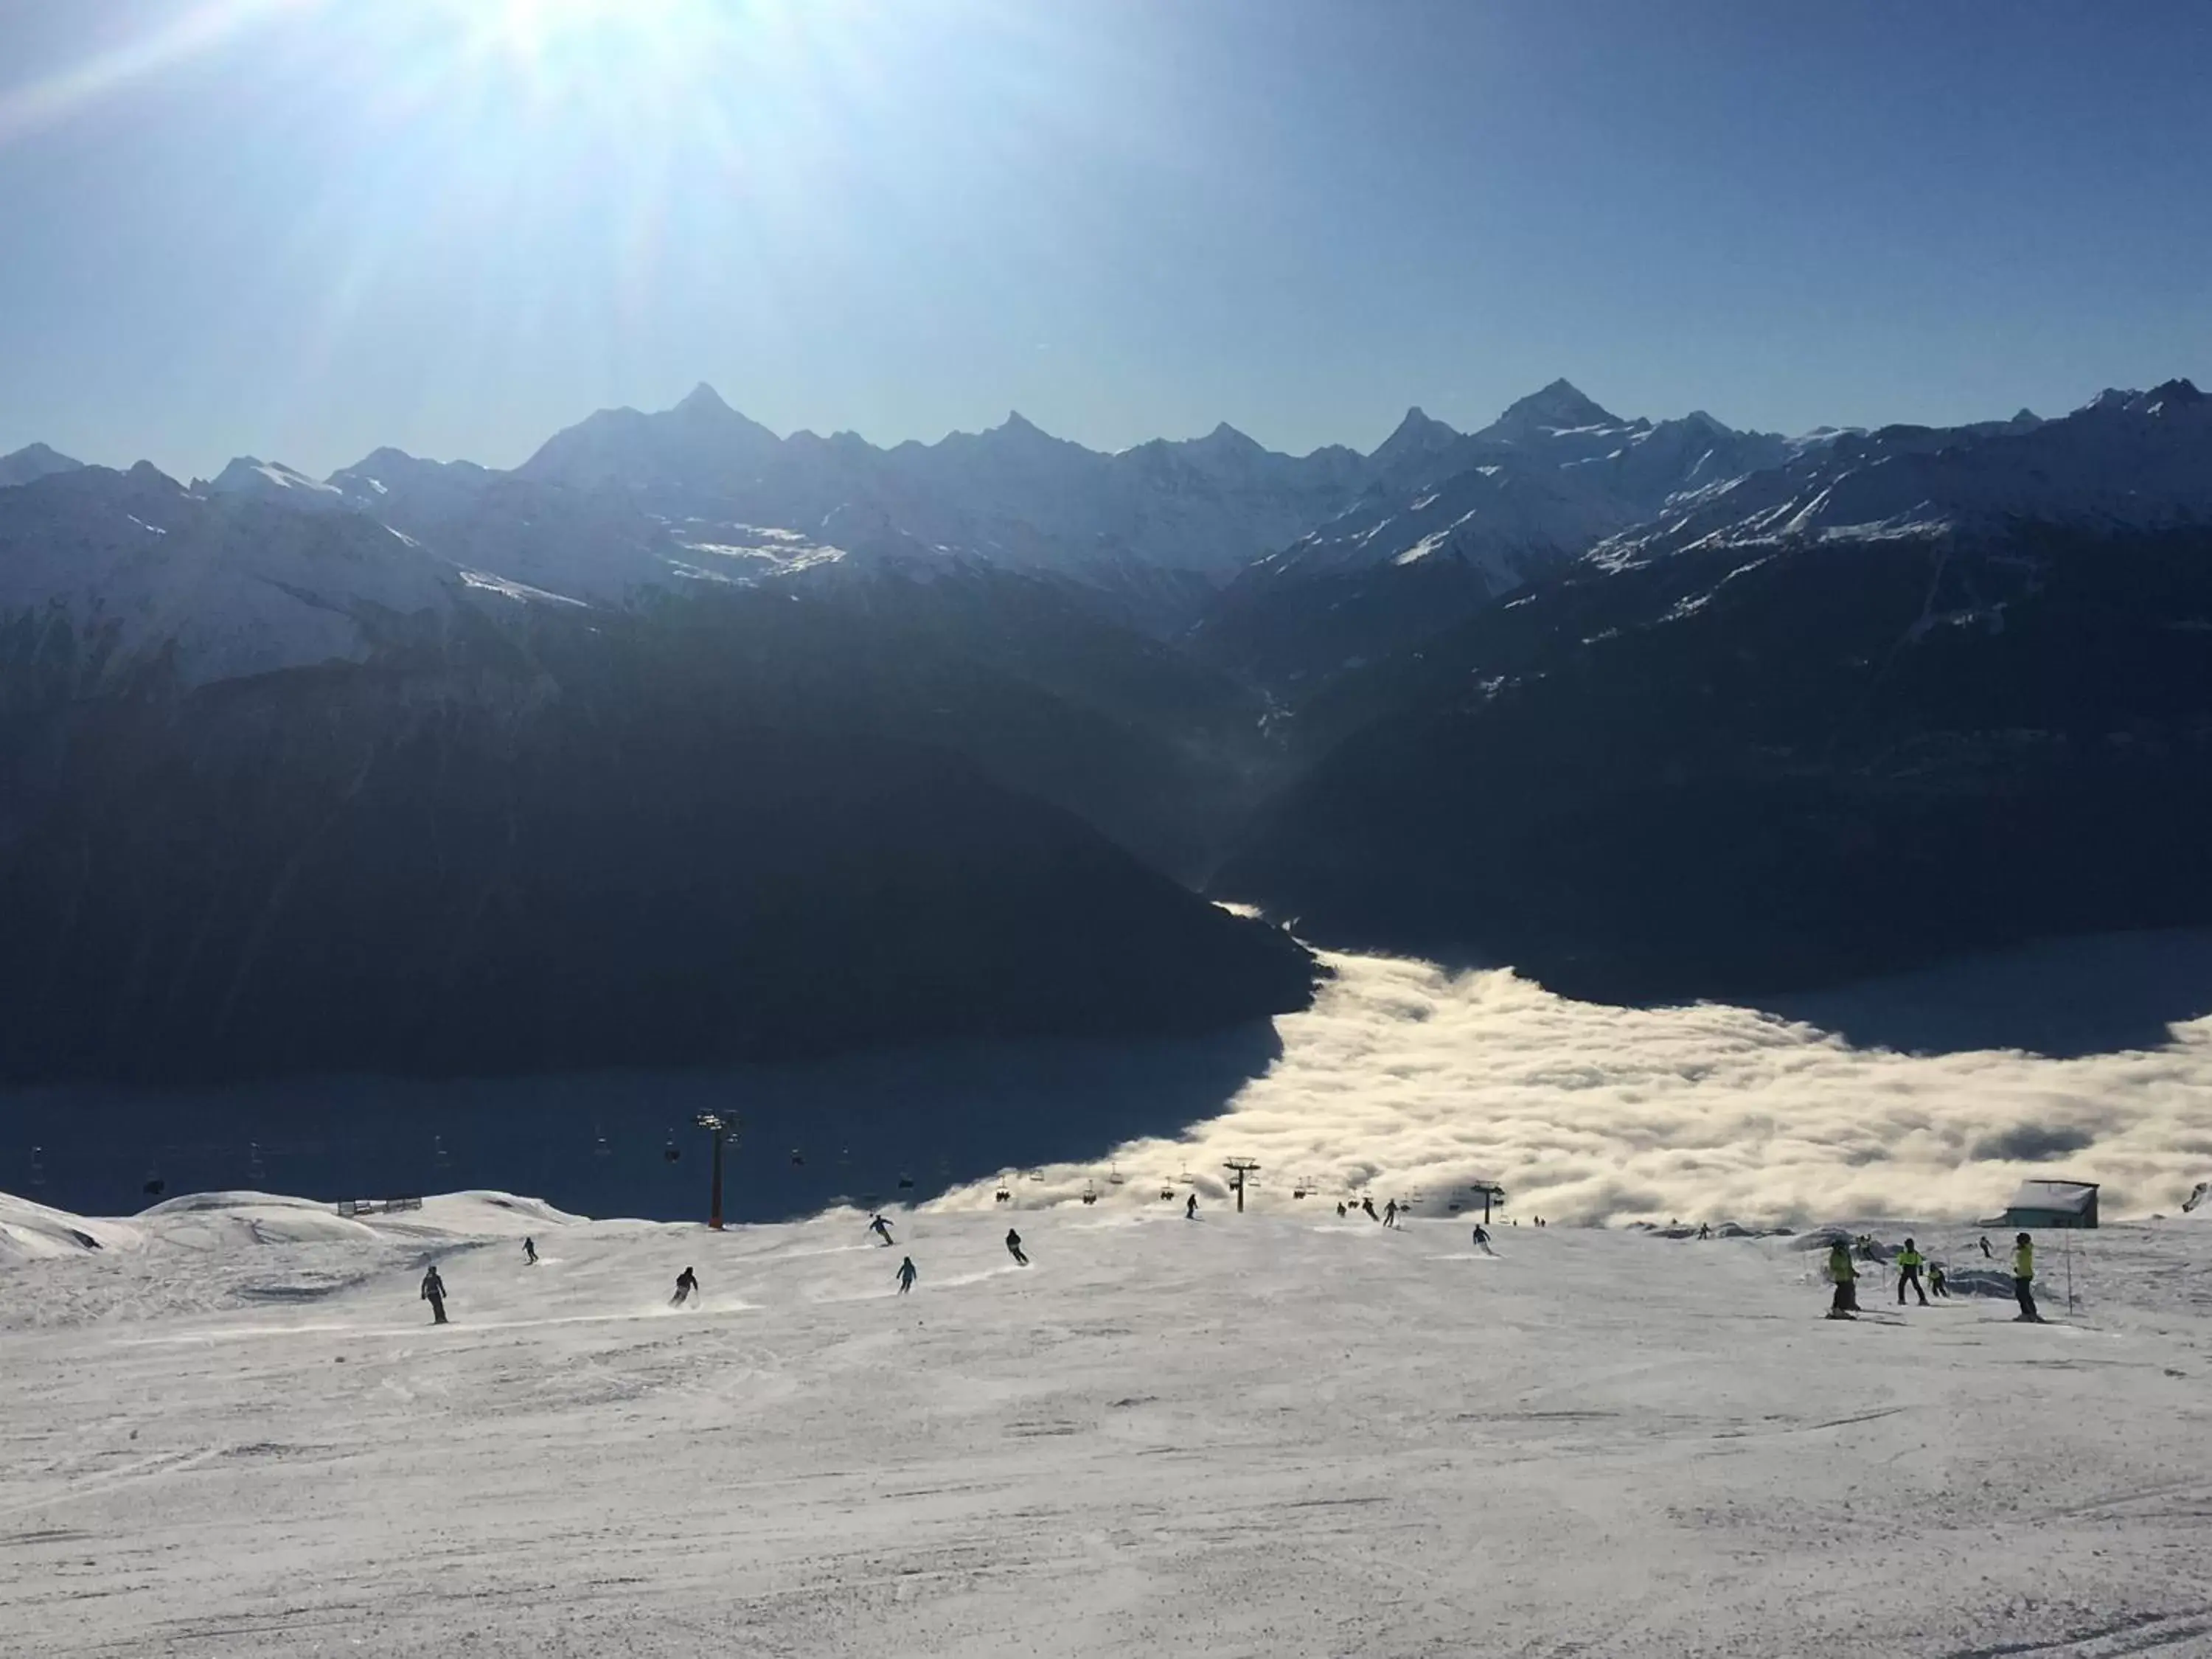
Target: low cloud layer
{"x": 1406, "y": 1079}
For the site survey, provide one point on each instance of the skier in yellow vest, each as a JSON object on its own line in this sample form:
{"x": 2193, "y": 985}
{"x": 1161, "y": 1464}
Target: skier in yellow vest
{"x": 1909, "y": 1263}
{"x": 2023, "y": 1278}
{"x": 1845, "y": 1277}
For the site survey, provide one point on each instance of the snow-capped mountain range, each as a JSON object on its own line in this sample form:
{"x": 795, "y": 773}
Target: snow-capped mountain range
{"x": 264, "y": 567}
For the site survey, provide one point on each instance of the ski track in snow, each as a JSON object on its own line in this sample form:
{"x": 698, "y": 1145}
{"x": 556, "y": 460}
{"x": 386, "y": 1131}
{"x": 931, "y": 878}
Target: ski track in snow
{"x": 1261, "y": 1436}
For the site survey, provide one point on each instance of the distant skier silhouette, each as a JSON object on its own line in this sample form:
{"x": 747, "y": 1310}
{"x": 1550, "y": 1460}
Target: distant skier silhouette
{"x": 1190, "y": 1207}
{"x": 1014, "y": 1247}
{"x": 1909, "y": 1263}
{"x": 687, "y": 1283}
{"x": 906, "y": 1275}
{"x": 2023, "y": 1279}
{"x": 530, "y": 1251}
{"x": 1705, "y": 1230}
{"x": 1845, "y": 1277}
{"x": 1390, "y": 1214}
{"x": 1341, "y": 1211}
{"x": 881, "y": 1228}
{"x": 1987, "y": 1252}
{"x": 433, "y": 1292}
{"x": 1368, "y": 1204}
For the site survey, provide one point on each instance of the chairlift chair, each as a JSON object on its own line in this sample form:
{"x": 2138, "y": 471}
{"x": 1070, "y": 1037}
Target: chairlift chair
{"x": 905, "y": 1183}
{"x": 439, "y": 1155}
{"x": 1090, "y": 1192}
{"x": 1114, "y": 1175}
{"x": 798, "y": 1159}
{"x": 672, "y": 1151}
{"x": 38, "y": 1168}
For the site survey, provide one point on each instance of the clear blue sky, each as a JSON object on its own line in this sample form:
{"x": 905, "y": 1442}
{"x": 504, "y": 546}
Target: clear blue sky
{"x": 302, "y": 229}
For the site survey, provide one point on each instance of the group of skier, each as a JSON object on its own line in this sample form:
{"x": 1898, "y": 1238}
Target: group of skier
{"x": 1844, "y": 1275}
{"x": 1842, "y": 1270}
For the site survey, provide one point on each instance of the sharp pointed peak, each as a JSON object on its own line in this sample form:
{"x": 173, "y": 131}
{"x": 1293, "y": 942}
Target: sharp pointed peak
{"x": 1560, "y": 404}
{"x": 703, "y": 398}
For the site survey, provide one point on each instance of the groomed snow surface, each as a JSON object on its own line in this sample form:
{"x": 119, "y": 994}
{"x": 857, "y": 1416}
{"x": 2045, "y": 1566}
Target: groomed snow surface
{"x": 231, "y": 1429}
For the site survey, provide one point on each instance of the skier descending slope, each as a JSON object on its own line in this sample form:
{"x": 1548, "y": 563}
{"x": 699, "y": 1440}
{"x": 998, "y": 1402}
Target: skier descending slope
{"x": 687, "y": 1283}
{"x": 1368, "y": 1204}
{"x": 2023, "y": 1279}
{"x": 433, "y": 1292}
{"x": 1909, "y": 1263}
{"x": 881, "y": 1228}
{"x": 1845, "y": 1277}
{"x": 1390, "y": 1214}
{"x": 530, "y": 1251}
{"x": 906, "y": 1274}
{"x": 1190, "y": 1207}
{"x": 1935, "y": 1280}
{"x": 1482, "y": 1240}
{"x": 1014, "y": 1247}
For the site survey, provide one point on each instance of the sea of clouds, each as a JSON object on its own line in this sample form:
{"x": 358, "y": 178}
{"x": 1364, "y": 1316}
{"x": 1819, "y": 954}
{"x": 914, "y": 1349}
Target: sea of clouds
{"x": 1408, "y": 1081}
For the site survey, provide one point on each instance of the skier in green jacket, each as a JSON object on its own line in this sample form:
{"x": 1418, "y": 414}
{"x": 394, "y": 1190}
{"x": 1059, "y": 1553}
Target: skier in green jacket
{"x": 1909, "y": 1264}
{"x": 1845, "y": 1277}
{"x": 2023, "y": 1278}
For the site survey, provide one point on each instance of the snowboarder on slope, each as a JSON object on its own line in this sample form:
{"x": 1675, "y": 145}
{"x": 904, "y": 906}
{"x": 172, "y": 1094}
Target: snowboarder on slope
{"x": 2023, "y": 1278}
{"x": 1986, "y": 1252}
{"x": 530, "y": 1251}
{"x": 905, "y": 1275}
{"x": 1909, "y": 1263}
{"x": 1190, "y": 1207}
{"x": 1845, "y": 1277}
{"x": 1368, "y": 1204}
{"x": 881, "y": 1228}
{"x": 687, "y": 1283}
{"x": 1705, "y": 1230}
{"x": 433, "y": 1292}
{"x": 1482, "y": 1239}
{"x": 1014, "y": 1247}
{"x": 1935, "y": 1280}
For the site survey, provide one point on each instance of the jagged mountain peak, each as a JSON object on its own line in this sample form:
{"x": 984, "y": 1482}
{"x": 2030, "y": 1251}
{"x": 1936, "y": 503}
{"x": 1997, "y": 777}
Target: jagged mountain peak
{"x": 703, "y": 399}
{"x": 1560, "y": 406}
{"x": 35, "y": 461}
{"x": 1419, "y": 434}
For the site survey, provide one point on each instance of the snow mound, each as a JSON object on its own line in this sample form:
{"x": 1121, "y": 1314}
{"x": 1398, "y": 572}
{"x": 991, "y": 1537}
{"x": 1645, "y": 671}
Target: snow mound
{"x": 31, "y": 1232}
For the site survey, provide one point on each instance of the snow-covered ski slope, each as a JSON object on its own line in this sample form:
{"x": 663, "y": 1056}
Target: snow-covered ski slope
{"x": 233, "y": 1430}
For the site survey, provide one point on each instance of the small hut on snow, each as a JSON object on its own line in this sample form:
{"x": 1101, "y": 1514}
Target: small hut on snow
{"x": 2051, "y": 1204}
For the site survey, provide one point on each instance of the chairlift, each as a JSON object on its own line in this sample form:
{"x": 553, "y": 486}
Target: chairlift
{"x": 154, "y": 1186}
{"x": 798, "y": 1159}
{"x": 38, "y": 1168}
{"x": 599, "y": 1147}
{"x": 1005, "y": 1197}
{"x": 1114, "y": 1175}
{"x": 1090, "y": 1192}
{"x": 1037, "y": 1175}
{"x": 1167, "y": 1193}
{"x": 439, "y": 1155}
{"x": 671, "y": 1152}
{"x": 905, "y": 1181}
{"x": 253, "y": 1167}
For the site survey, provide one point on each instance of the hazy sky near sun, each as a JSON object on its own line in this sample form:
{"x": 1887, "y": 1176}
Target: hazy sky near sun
{"x": 302, "y": 229}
